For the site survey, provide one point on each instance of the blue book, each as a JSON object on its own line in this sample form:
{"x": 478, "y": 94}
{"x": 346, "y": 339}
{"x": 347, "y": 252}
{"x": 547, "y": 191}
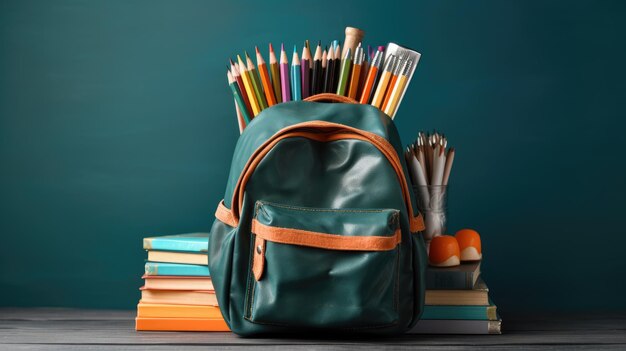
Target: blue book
{"x": 461, "y": 312}
{"x": 160, "y": 268}
{"x": 192, "y": 242}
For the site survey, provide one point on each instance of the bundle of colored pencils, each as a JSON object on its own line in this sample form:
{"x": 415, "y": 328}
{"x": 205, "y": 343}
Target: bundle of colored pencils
{"x": 379, "y": 77}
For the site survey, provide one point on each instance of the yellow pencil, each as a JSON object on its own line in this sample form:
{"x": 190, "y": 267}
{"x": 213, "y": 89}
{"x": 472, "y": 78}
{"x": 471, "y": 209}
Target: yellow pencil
{"x": 383, "y": 82}
{"x": 398, "y": 90}
{"x": 249, "y": 89}
{"x": 256, "y": 83}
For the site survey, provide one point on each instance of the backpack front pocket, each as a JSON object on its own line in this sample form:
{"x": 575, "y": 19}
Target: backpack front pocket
{"x": 323, "y": 268}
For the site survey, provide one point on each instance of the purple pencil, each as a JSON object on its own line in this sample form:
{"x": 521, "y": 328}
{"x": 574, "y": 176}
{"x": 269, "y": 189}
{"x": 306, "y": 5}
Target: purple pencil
{"x": 284, "y": 75}
{"x": 305, "y": 73}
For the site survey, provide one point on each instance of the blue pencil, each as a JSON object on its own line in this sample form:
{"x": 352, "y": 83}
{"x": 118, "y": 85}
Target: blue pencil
{"x": 296, "y": 88}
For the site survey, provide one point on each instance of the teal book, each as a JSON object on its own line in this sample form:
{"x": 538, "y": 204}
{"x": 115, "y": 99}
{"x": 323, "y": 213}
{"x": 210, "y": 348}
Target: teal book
{"x": 461, "y": 312}
{"x": 462, "y": 277}
{"x": 160, "y": 268}
{"x": 191, "y": 242}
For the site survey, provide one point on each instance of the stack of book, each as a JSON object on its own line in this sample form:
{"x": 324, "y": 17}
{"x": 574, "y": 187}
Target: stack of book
{"x": 457, "y": 302}
{"x": 178, "y": 294}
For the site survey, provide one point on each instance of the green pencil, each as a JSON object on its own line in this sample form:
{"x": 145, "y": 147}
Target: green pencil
{"x": 256, "y": 82}
{"x": 344, "y": 75}
{"x": 238, "y": 98}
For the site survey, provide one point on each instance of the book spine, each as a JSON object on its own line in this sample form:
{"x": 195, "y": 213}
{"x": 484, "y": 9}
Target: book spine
{"x": 155, "y": 268}
{"x": 162, "y": 244}
{"x": 437, "y": 280}
{"x": 459, "y": 312}
{"x": 456, "y": 327}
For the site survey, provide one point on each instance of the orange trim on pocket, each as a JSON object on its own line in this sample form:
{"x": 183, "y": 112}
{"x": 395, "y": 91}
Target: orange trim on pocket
{"x": 314, "y": 239}
{"x": 325, "y": 241}
{"x": 225, "y": 215}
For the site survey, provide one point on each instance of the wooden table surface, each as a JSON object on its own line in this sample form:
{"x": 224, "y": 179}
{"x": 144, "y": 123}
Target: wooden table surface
{"x": 69, "y": 329}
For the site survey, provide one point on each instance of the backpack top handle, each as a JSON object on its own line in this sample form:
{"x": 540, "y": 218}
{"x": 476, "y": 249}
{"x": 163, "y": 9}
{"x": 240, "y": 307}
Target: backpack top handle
{"x": 330, "y": 97}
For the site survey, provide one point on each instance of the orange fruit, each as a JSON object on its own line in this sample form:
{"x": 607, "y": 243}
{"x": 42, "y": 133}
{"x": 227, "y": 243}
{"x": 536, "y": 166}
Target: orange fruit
{"x": 444, "y": 251}
{"x": 469, "y": 243}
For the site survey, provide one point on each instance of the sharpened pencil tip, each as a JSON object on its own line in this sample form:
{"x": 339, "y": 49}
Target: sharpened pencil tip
{"x": 295, "y": 49}
{"x": 282, "y": 46}
{"x": 271, "y": 48}
{"x": 256, "y": 48}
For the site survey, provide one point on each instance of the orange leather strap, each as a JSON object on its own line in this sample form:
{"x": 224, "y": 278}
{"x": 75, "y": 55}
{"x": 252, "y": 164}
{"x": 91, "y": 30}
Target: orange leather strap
{"x": 258, "y": 261}
{"x": 416, "y": 223}
{"x": 325, "y": 241}
{"x": 330, "y": 97}
{"x": 225, "y": 215}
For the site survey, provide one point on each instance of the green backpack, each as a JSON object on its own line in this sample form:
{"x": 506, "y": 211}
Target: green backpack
{"x": 318, "y": 230}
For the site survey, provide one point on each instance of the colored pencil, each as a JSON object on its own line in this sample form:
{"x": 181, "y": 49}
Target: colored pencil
{"x": 237, "y": 95}
{"x": 275, "y": 72}
{"x": 284, "y": 75}
{"x": 337, "y": 68}
{"x": 356, "y": 72}
{"x": 344, "y": 74}
{"x": 372, "y": 75}
{"x": 317, "y": 71}
{"x": 305, "y": 74}
{"x": 330, "y": 64}
{"x": 392, "y": 83}
{"x": 322, "y": 84}
{"x": 235, "y": 72}
{"x": 398, "y": 89}
{"x": 394, "y": 78}
{"x": 268, "y": 89}
{"x": 248, "y": 85}
{"x": 240, "y": 119}
{"x": 296, "y": 81}
{"x": 256, "y": 82}
{"x": 383, "y": 82}
{"x": 365, "y": 67}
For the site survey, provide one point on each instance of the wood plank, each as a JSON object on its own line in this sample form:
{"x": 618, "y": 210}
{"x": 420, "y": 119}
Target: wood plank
{"x": 95, "y": 329}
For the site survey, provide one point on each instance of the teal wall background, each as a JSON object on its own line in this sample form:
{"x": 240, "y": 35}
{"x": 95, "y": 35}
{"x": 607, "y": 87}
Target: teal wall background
{"x": 116, "y": 123}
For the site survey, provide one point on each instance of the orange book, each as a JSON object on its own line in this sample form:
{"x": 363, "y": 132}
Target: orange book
{"x": 157, "y": 310}
{"x": 176, "y": 282}
{"x": 180, "y": 324}
{"x": 179, "y": 297}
